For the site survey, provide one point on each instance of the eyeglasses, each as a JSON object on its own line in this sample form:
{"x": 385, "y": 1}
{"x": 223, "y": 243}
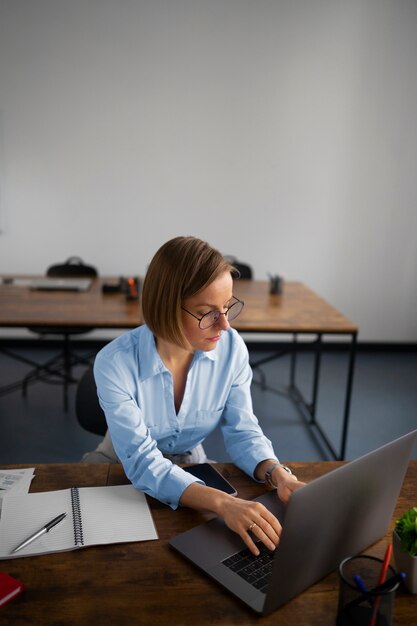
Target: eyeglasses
{"x": 212, "y": 317}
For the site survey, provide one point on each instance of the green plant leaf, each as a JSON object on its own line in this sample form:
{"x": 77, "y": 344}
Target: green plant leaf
{"x": 406, "y": 527}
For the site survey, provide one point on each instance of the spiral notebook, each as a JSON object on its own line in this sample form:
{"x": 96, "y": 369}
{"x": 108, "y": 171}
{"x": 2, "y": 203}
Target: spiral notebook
{"x": 94, "y": 515}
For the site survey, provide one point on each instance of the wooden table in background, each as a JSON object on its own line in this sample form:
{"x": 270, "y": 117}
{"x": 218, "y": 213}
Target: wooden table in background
{"x": 297, "y": 310}
{"x": 148, "y": 583}
{"x": 22, "y": 307}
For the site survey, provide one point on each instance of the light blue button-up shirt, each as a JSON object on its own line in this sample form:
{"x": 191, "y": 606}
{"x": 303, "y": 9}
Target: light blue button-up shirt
{"x": 136, "y": 392}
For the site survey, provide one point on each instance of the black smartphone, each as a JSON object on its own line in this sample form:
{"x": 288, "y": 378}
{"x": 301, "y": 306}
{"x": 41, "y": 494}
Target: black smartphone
{"x": 212, "y": 478}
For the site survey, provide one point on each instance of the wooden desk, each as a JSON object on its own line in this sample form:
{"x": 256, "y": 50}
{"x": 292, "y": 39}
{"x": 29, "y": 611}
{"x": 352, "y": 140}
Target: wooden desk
{"x": 298, "y": 311}
{"x": 149, "y": 583}
{"x": 23, "y": 307}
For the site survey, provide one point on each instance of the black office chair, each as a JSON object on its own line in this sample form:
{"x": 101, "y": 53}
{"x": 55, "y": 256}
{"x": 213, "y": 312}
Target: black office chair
{"x": 89, "y": 413}
{"x": 58, "y": 369}
{"x": 244, "y": 271}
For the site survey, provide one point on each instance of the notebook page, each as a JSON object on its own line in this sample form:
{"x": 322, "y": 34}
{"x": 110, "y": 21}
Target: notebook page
{"x": 24, "y": 514}
{"x": 115, "y": 514}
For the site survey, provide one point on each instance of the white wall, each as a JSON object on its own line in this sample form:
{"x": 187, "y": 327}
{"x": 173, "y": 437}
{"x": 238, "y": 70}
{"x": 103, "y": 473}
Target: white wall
{"x": 283, "y": 132}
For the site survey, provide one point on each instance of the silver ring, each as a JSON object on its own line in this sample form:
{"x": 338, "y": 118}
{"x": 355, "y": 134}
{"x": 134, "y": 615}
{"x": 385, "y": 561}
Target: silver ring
{"x": 252, "y": 526}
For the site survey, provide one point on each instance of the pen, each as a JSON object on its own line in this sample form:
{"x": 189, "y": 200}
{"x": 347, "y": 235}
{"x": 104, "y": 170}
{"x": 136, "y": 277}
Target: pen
{"x": 42, "y": 531}
{"x": 362, "y": 587}
{"x": 389, "y": 583}
{"x": 381, "y": 580}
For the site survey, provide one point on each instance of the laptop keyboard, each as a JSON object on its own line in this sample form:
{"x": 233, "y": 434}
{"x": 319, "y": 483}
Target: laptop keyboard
{"x": 254, "y": 569}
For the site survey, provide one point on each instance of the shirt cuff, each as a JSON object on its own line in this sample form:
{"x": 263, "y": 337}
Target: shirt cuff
{"x": 175, "y": 487}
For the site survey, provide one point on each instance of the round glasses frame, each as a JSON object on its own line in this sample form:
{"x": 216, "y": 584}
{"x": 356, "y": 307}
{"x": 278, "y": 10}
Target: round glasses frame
{"x": 212, "y": 317}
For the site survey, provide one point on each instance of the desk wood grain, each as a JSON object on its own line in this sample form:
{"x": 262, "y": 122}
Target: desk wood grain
{"x": 149, "y": 583}
{"x": 298, "y": 309}
{"x": 23, "y": 307}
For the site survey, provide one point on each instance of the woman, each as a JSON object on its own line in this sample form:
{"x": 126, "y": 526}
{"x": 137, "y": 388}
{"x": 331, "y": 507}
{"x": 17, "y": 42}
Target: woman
{"x": 167, "y": 384}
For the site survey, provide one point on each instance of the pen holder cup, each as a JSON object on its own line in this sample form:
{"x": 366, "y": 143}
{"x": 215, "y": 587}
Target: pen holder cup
{"x": 276, "y": 285}
{"x": 363, "y": 607}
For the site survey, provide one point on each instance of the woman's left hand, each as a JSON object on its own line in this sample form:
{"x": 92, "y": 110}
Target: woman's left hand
{"x": 285, "y": 483}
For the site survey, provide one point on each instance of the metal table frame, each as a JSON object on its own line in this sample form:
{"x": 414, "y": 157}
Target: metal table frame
{"x": 308, "y": 407}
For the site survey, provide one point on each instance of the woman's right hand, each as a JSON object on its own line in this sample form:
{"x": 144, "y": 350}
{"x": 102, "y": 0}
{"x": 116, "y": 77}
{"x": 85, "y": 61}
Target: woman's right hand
{"x": 249, "y": 519}
{"x": 253, "y": 522}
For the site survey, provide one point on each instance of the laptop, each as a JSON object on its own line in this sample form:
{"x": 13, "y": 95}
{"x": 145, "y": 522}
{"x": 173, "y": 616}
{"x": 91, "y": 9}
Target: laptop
{"x": 330, "y": 518}
{"x": 60, "y": 284}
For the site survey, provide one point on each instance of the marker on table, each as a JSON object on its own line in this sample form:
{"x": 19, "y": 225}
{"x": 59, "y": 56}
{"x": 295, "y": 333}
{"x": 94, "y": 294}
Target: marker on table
{"x": 42, "y": 531}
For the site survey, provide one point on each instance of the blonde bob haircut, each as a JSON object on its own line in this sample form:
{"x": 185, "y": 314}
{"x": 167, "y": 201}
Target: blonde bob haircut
{"x": 181, "y": 268}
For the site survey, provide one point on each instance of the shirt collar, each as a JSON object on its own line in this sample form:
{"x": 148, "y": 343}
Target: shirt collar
{"x": 150, "y": 363}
